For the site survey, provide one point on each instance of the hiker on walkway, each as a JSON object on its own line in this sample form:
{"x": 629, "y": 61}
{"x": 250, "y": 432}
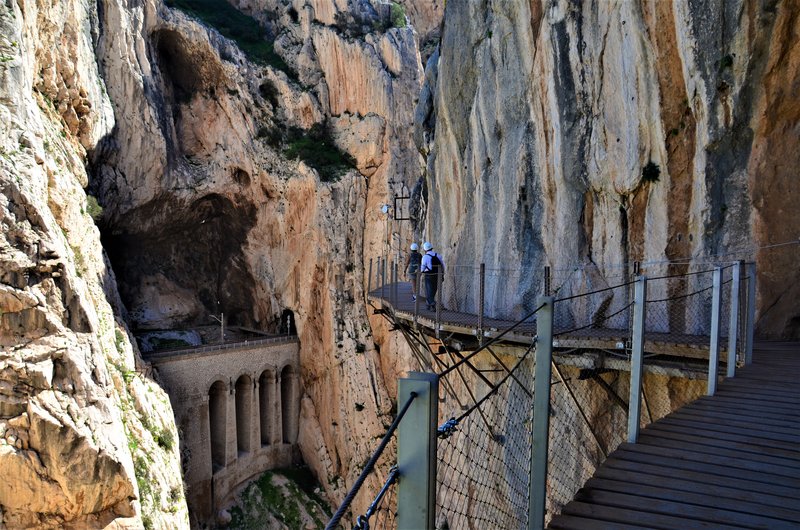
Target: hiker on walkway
{"x": 412, "y": 266}
{"x": 432, "y": 263}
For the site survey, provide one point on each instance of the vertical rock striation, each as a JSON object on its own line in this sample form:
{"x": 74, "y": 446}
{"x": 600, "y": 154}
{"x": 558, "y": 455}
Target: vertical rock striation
{"x": 613, "y": 132}
{"x": 79, "y": 426}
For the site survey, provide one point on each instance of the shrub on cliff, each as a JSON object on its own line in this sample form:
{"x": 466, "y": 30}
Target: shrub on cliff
{"x": 235, "y": 25}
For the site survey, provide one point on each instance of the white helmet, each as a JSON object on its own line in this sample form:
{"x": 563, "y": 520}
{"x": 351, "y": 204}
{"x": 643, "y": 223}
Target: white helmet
{"x": 426, "y": 246}
{"x": 414, "y": 246}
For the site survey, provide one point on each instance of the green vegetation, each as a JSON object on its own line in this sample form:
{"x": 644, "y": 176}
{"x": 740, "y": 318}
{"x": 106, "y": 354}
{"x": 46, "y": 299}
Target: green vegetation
{"x": 119, "y": 338}
{"x": 270, "y": 496}
{"x": 93, "y": 208}
{"x": 235, "y": 25}
{"x": 726, "y": 62}
{"x": 398, "y": 16}
{"x": 316, "y": 148}
{"x": 165, "y": 439}
{"x": 80, "y": 262}
{"x": 651, "y": 172}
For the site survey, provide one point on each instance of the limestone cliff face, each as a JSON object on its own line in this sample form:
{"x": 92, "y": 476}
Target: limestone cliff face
{"x": 552, "y": 110}
{"x": 205, "y": 212}
{"x": 86, "y": 440}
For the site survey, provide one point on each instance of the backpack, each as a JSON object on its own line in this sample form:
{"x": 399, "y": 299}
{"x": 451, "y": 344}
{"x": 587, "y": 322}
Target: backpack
{"x": 436, "y": 265}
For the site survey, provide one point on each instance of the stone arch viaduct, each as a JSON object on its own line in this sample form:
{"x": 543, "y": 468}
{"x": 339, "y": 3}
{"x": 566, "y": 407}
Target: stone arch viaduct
{"x": 237, "y": 407}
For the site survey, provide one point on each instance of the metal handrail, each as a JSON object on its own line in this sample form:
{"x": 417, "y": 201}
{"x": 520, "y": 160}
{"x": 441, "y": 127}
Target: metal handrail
{"x": 219, "y": 347}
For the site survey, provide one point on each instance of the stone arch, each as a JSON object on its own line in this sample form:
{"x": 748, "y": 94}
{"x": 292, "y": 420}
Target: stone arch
{"x": 244, "y": 412}
{"x": 218, "y": 422}
{"x": 266, "y": 405}
{"x": 289, "y": 405}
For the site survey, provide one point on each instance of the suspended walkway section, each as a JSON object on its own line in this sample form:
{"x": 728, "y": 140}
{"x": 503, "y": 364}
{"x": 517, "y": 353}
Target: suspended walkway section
{"x": 524, "y": 392}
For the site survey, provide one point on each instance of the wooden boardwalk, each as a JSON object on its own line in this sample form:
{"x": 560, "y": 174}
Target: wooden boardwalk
{"x": 727, "y": 461}
{"x": 398, "y": 297}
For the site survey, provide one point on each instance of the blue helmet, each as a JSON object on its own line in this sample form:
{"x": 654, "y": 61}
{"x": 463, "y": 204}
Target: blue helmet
{"x": 414, "y": 246}
{"x": 427, "y": 246}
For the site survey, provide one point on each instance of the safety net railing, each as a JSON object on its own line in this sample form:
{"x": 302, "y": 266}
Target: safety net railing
{"x": 492, "y": 440}
{"x": 490, "y": 462}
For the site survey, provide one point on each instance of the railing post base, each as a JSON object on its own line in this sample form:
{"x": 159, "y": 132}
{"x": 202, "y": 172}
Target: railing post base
{"x": 637, "y": 359}
{"x": 713, "y": 349}
{"x": 751, "y": 313}
{"x": 541, "y": 413}
{"x": 416, "y": 452}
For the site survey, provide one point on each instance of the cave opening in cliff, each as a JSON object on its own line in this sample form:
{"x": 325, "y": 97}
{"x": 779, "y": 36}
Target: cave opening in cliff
{"x": 178, "y": 263}
{"x": 182, "y": 69}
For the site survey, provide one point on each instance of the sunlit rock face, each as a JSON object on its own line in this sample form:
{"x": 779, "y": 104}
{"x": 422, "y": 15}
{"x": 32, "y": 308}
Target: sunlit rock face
{"x": 207, "y": 212}
{"x": 558, "y": 112}
{"x": 78, "y": 424}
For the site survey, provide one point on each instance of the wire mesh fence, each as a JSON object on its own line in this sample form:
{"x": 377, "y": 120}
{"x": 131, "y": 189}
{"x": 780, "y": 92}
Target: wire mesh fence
{"x": 587, "y": 422}
{"x": 382, "y": 512}
{"x": 483, "y": 468}
{"x": 483, "y": 477}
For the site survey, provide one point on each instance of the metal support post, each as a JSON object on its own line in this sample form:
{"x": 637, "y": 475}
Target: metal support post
{"x": 733, "y": 327}
{"x": 378, "y": 272}
{"x": 416, "y": 298}
{"x": 547, "y": 284}
{"x": 481, "y": 297}
{"x": 369, "y": 277}
{"x": 394, "y": 286}
{"x": 439, "y": 278}
{"x": 637, "y": 356}
{"x": 383, "y": 281}
{"x": 713, "y": 350}
{"x": 416, "y": 452}
{"x": 541, "y": 413}
{"x": 751, "y": 313}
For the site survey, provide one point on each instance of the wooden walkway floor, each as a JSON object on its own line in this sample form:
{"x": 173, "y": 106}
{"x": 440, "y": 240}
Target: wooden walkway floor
{"x": 727, "y": 461}
{"x": 398, "y": 297}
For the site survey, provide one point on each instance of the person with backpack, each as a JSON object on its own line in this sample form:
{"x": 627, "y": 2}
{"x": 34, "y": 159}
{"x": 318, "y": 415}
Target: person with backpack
{"x": 432, "y": 263}
{"x": 412, "y": 266}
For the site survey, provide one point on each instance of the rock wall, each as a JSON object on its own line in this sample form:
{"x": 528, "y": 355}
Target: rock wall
{"x": 615, "y": 131}
{"x": 205, "y": 212}
{"x": 201, "y": 211}
{"x": 86, "y": 439}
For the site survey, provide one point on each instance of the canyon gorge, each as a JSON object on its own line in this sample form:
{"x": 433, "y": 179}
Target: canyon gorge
{"x": 164, "y": 161}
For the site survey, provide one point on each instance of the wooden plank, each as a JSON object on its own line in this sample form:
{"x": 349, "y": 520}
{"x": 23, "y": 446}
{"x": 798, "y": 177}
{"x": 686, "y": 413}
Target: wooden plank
{"x": 634, "y": 517}
{"x": 667, "y": 508}
{"x": 754, "y": 395}
{"x": 688, "y": 455}
{"x": 681, "y": 484}
{"x": 731, "y": 421}
{"x": 758, "y": 407}
{"x": 784, "y": 513}
{"x": 763, "y": 438}
{"x": 762, "y": 387}
{"x": 679, "y": 466}
{"x": 662, "y": 439}
{"x": 700, "y": 477}
{"x": 764, "y": 423}
{"x": 706, "y": 403}
{"x": 570, "y": 522}
{"x": 691, "y": 435}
